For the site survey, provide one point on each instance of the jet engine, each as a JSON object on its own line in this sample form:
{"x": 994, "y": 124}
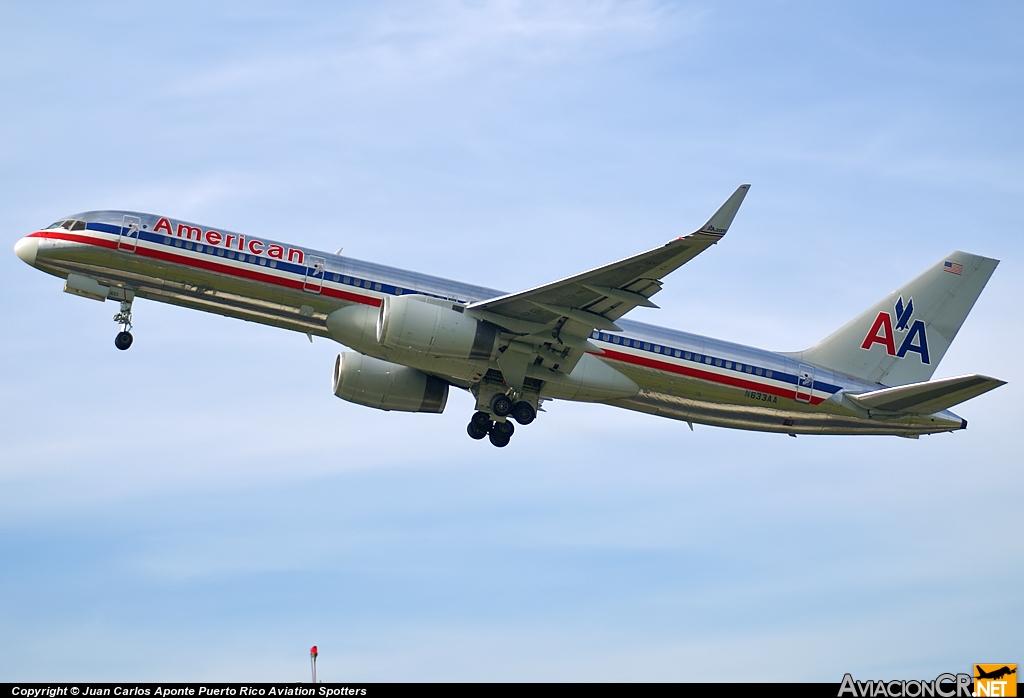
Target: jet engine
{"x": 428, "y": 326}
{"x": 387, "y": 386}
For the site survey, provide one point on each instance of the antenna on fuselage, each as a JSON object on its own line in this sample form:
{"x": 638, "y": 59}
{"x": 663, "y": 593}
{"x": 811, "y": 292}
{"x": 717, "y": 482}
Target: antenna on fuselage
{"x": 338, "y": 251}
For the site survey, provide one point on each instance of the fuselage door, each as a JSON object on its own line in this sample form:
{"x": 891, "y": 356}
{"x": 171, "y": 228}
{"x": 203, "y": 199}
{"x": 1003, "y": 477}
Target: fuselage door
{"x": 315, "y": 275}
{"x": 804, "y": 383}
{"x": 128, "y": 240}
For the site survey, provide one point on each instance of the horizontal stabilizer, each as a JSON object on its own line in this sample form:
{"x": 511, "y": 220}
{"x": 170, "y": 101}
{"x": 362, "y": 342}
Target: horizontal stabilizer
{"x": 928, "y": 397}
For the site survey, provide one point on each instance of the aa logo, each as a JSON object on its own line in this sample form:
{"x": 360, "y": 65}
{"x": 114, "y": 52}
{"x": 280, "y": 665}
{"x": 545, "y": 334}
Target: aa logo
{"x": 886, "y": 325}
{"x": 995, "y": 680}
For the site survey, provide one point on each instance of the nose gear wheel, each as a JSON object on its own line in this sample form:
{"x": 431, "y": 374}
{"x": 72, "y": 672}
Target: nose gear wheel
{"x": 124, "y": 338}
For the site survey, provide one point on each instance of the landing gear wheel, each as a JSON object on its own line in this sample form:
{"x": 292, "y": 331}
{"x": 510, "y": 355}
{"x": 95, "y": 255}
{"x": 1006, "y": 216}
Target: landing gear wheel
{"x": 501, "y": 405}
{"x": 523, "y": 413}
{"x": 479, "y": 426}
{"x": 123, "y": 340}
{"x": 501, "y": 433}
{"x": 482, "y": 421}
{"x": 498, "y": 440}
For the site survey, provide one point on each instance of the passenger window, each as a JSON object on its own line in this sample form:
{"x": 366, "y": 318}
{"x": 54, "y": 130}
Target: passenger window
{"x": 768, "y": 373}
{"x": 758, "y": 372}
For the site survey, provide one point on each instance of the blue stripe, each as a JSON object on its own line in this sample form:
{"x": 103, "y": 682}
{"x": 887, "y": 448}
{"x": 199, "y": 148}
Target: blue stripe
{"x": 104, "y": 228}
{"x": 696, "y": 358}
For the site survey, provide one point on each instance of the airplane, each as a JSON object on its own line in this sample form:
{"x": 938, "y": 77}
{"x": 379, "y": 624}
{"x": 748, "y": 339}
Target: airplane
{"x": 995, "y": 674}
{"x": 412, "y": 337}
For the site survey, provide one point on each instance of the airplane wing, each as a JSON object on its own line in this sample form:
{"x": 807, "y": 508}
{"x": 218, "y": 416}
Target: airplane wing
{"x": 559, "y": 316}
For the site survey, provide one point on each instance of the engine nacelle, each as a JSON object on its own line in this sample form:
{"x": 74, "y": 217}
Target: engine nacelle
{"x": 374, "y": 383}
{"x": 420, "y": 324}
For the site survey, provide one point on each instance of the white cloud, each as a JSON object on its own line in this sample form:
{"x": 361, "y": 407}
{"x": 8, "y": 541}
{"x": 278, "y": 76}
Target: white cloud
{"x": 419, "y": 44}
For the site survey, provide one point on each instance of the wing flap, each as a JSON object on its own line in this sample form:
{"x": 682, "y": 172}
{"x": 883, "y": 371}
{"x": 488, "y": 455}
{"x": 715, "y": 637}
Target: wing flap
{"x": 927, "y": 397}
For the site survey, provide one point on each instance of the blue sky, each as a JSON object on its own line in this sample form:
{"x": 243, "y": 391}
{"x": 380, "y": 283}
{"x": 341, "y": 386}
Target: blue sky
{"x": 202, "y": 507}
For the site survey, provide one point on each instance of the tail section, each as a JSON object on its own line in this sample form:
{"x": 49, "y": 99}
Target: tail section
{"x": 903, "y": 337}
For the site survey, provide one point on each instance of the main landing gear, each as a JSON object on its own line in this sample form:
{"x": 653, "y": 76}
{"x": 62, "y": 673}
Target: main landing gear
{"x": 123, "y": 340}
{"x": 498, "y": 432}
{"x": 495, "y": 425}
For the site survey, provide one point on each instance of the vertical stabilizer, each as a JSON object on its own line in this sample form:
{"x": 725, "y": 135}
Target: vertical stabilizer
{"x": 903, "y": 337}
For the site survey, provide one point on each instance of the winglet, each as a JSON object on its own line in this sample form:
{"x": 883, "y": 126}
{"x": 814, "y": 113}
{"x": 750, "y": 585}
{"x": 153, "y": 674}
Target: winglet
{"x": 719, "y": 223}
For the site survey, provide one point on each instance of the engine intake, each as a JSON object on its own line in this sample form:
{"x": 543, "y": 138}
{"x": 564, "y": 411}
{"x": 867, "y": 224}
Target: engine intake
{"x": 387, "y": 386}
{"x": 422, "y": 324}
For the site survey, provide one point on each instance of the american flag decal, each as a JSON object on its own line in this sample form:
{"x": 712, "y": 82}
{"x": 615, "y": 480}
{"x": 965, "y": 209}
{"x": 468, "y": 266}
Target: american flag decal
{"x": 953, "y": 268}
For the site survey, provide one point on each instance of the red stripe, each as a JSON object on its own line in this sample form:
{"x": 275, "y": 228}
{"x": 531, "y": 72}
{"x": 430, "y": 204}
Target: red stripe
{"x": 704, "y": 375}
{"x": 71, "y": 237}
{"x": 220, "y": 268}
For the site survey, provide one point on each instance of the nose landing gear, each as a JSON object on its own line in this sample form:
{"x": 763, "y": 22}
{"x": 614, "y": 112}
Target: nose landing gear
{"x": 124, "y": 338}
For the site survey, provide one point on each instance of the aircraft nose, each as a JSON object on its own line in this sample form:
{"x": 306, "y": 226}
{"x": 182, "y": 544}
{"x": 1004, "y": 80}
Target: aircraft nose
{"x": 27, "y": 248}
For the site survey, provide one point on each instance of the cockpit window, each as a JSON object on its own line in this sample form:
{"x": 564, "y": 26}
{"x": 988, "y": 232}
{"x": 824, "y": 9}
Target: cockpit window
{"x": 78, "y": 225}
{"x": 66, "y": 224}
{"x": 55, "y": 224}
